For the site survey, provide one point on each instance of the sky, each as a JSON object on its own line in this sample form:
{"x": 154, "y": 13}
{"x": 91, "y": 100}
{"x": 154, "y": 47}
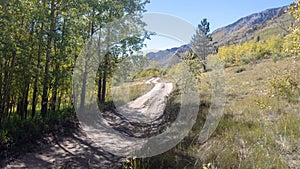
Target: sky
{"x": 219, "y": 14}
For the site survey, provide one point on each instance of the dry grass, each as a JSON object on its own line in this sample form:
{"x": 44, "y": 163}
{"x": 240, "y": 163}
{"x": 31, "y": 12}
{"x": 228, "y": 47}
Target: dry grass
{"x": 258, "y": 129}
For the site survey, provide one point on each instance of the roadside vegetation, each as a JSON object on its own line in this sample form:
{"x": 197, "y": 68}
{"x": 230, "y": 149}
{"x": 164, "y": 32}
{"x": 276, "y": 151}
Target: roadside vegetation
{"x": 259, "y": 128}
{"x": 260, "y": 124}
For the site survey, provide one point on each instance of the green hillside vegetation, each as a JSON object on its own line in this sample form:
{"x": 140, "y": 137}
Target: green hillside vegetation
{"x": 150, "y": 72}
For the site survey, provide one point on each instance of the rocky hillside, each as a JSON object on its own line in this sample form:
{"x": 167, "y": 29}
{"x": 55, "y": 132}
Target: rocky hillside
{"x": 168, "y": 56}
{"x": 259, "y": 25}
{"x": 269, "y": 22}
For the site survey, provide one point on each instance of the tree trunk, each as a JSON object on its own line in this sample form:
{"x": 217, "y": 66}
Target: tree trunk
{"x": 55, "y": 88}
{"x": 24, "y": 102}
{"x": 44, "y": 103}
{"x": 104, "y": 77}
{"x": 37, "y": 75}
{"x": 83, "y": 90}
{"x": 57, "y": 71}
{"x": 99, "y": 85}
{"x": 1, "y": 84}
{"x": 204, "y": 65}
{"x": 7, "y": 84}
{"x": 106, "y": 62}
{"x": 59, "y": 101}
{"x": 86, "y": 68}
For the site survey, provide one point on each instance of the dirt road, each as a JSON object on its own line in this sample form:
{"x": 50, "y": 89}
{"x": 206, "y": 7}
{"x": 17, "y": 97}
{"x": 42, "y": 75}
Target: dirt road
{"x": 150, "y": 106}
{"x": 78, "y": 150}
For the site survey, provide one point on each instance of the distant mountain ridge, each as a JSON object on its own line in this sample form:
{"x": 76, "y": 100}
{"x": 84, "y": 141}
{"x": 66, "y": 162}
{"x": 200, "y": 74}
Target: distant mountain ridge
{"x": 274, "y": 20}
{"x": 167, "y": 57}
{"x": 263, "y": 24}
{"x": 256, "y": 18}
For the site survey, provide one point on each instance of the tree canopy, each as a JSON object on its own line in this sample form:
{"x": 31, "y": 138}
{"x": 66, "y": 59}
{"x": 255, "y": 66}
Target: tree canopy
{"x": 40, "y": 41}
{"x": 201, "y": 43}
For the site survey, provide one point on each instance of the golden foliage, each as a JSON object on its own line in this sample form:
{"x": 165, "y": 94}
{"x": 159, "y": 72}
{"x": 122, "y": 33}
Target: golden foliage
{"x": 292, "y": 41}
{"x": 251, "y": 51}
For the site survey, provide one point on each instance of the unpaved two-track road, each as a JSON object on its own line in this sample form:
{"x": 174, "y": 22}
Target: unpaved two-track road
{"x": 150, "y": 106}
{"x": 78, "y": 150}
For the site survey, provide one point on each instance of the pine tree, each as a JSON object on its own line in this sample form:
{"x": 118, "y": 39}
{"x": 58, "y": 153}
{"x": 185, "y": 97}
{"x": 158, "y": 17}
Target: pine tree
{"x": 201, "y": 42}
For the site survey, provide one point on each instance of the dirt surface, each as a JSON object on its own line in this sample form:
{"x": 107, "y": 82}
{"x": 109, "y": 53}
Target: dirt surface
{"x": 143, "y": 111}
{"x": 150, "y": 106}
{"x": 78, "y": 150}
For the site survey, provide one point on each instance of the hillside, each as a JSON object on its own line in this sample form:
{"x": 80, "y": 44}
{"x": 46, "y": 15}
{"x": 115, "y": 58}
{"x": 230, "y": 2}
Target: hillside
{"x": 167, "y": 57}
{"x": 264, "y": 24}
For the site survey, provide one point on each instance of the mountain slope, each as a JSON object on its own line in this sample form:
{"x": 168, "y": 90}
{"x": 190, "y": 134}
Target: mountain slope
{"x": 264, "y": 24}
{"x": 167, "y": 57}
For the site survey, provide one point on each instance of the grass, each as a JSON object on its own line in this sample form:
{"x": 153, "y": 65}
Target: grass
{"x": 259, "y": 129}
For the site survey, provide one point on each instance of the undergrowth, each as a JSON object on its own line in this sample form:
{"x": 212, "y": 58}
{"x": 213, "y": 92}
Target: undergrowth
{"x": 21, "y": 135}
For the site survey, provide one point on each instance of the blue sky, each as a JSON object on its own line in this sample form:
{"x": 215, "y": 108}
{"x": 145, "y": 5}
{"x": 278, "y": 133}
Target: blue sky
{"x": 219, "y": 13}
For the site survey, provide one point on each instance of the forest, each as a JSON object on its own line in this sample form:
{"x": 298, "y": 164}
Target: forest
{"x": 40, "y": 41}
